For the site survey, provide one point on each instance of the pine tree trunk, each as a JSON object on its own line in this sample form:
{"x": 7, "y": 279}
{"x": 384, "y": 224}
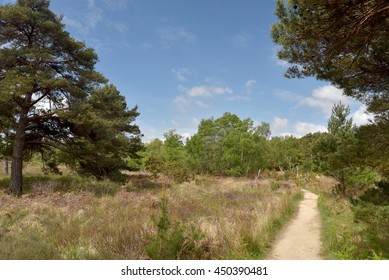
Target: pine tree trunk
{"x": 6, "y": 166}
{"x": 16, "y": 182}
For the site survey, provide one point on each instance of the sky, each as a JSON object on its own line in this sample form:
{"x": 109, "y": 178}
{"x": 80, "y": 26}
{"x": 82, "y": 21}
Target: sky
{"x": 181, "y": 61}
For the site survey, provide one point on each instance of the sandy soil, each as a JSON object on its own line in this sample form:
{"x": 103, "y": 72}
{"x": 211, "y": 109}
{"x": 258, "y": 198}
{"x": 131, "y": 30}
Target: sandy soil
{"x": 300, "y": 239}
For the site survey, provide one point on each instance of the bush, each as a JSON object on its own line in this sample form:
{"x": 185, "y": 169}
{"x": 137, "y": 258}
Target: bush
{"x": 155, "y": 165}
{"x": 178, "y": 173}
{"x": 372, "y": 209}
{"x": 358, "y": 229}
{"x": 174, "y": 241}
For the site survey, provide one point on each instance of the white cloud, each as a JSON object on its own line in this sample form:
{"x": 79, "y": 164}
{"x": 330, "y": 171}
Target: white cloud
{"x": 361, "y": 117}
{"x": 205, "y": 91}
{"x": 280, "y": 123}
{"x": 303, "y": 128}
{"x": 195, "y": 121}
{"x": 151, "y": 133}
{"x": 281, "y": 127}
{"x": 186, "y": 135}
{"x": 324, "y": 98}
{"x": 184, "y": 103}
{"x": 181, "y": 74}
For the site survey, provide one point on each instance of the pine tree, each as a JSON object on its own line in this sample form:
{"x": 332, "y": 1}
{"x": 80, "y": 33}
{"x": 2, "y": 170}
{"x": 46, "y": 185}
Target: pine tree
{"x": 344, "y": 42}
{"x": 337, "y": 152}
{"x": 46, "y": 77}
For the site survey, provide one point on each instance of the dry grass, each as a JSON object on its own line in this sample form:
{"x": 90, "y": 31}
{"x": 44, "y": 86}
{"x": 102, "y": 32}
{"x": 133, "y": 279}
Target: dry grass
{"x": 238, "y": 219}
{"x": 34, "y": 167}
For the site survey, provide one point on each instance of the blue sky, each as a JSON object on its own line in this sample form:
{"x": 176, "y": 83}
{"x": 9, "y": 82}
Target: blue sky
{"x": 182, "y": 61}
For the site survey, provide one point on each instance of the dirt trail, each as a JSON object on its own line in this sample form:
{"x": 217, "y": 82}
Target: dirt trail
{"x": 300, "y": 239}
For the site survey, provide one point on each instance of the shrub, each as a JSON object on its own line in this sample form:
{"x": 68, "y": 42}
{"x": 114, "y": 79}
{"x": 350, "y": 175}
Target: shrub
{"x": 178, "y": 173}
{"x": 173, "y": 241}
{"x": 155, "y": 165}
{"x": 372, "y": 209}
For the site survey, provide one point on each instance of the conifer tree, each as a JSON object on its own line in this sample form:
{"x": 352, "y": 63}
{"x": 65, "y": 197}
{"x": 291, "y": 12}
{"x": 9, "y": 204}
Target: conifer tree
{"x": 46, "y": 77}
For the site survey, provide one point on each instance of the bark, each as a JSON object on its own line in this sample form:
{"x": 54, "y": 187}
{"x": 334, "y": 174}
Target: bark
{"x": 6, "y": 166}
{"x": 16, "y": 182}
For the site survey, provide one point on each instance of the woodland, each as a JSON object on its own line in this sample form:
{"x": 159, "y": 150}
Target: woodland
{"x": 72, "y": 153}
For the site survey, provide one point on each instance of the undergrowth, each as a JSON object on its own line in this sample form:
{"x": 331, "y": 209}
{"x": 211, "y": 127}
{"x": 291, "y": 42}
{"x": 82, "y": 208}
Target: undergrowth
{"x": 77, "y": 218}
{"x": 68, "y": 183}
{"x": 355, "y": 228}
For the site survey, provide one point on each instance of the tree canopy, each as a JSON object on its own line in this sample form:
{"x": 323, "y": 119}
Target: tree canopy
{"x": 228, "y": 145}
{"x": 345, "y": 42}
{"x": 336, "y": 152}
{"x": 47, "y": 81}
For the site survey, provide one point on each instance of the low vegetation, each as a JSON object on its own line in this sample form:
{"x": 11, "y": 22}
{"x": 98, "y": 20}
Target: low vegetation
{"x": 188, "y": 207}
{"x": 208, "y": 218}
{"x": 356, "y": 227}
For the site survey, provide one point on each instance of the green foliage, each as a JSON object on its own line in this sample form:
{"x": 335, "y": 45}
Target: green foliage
{"x": 372, "y": 209}
{"x": 173, "y": 150}
{"x": 374, "y": 141}
{"x": 52, "y": 98}
{"x": 344, "y": 42}
{"x": 168, "y": 158}
{"x": 356, "y": 229}
{"x": 228, "y": 145}
{"x": 174, "y": 241}
{"x": 179, "y": 173}
{"x": 336, "y": 152}
{"x": 50, "y": 162}
{"x": 341, "y": 237}
{"x": 31, "y": 246}
{"x": 285, "y": 153}
{"x": 104, "y": 135}
{"x": 155, "y": 165}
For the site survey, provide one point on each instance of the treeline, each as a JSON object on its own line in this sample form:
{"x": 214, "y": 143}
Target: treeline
{"x": 354, "y": 156}
{"x": 54, "y": 103}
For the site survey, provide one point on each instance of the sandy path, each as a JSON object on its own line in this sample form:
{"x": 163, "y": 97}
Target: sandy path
{"x": 300, "y": 239}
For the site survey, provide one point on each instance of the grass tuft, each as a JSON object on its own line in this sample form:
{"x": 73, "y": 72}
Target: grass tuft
{"x": 79, "y": 218}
